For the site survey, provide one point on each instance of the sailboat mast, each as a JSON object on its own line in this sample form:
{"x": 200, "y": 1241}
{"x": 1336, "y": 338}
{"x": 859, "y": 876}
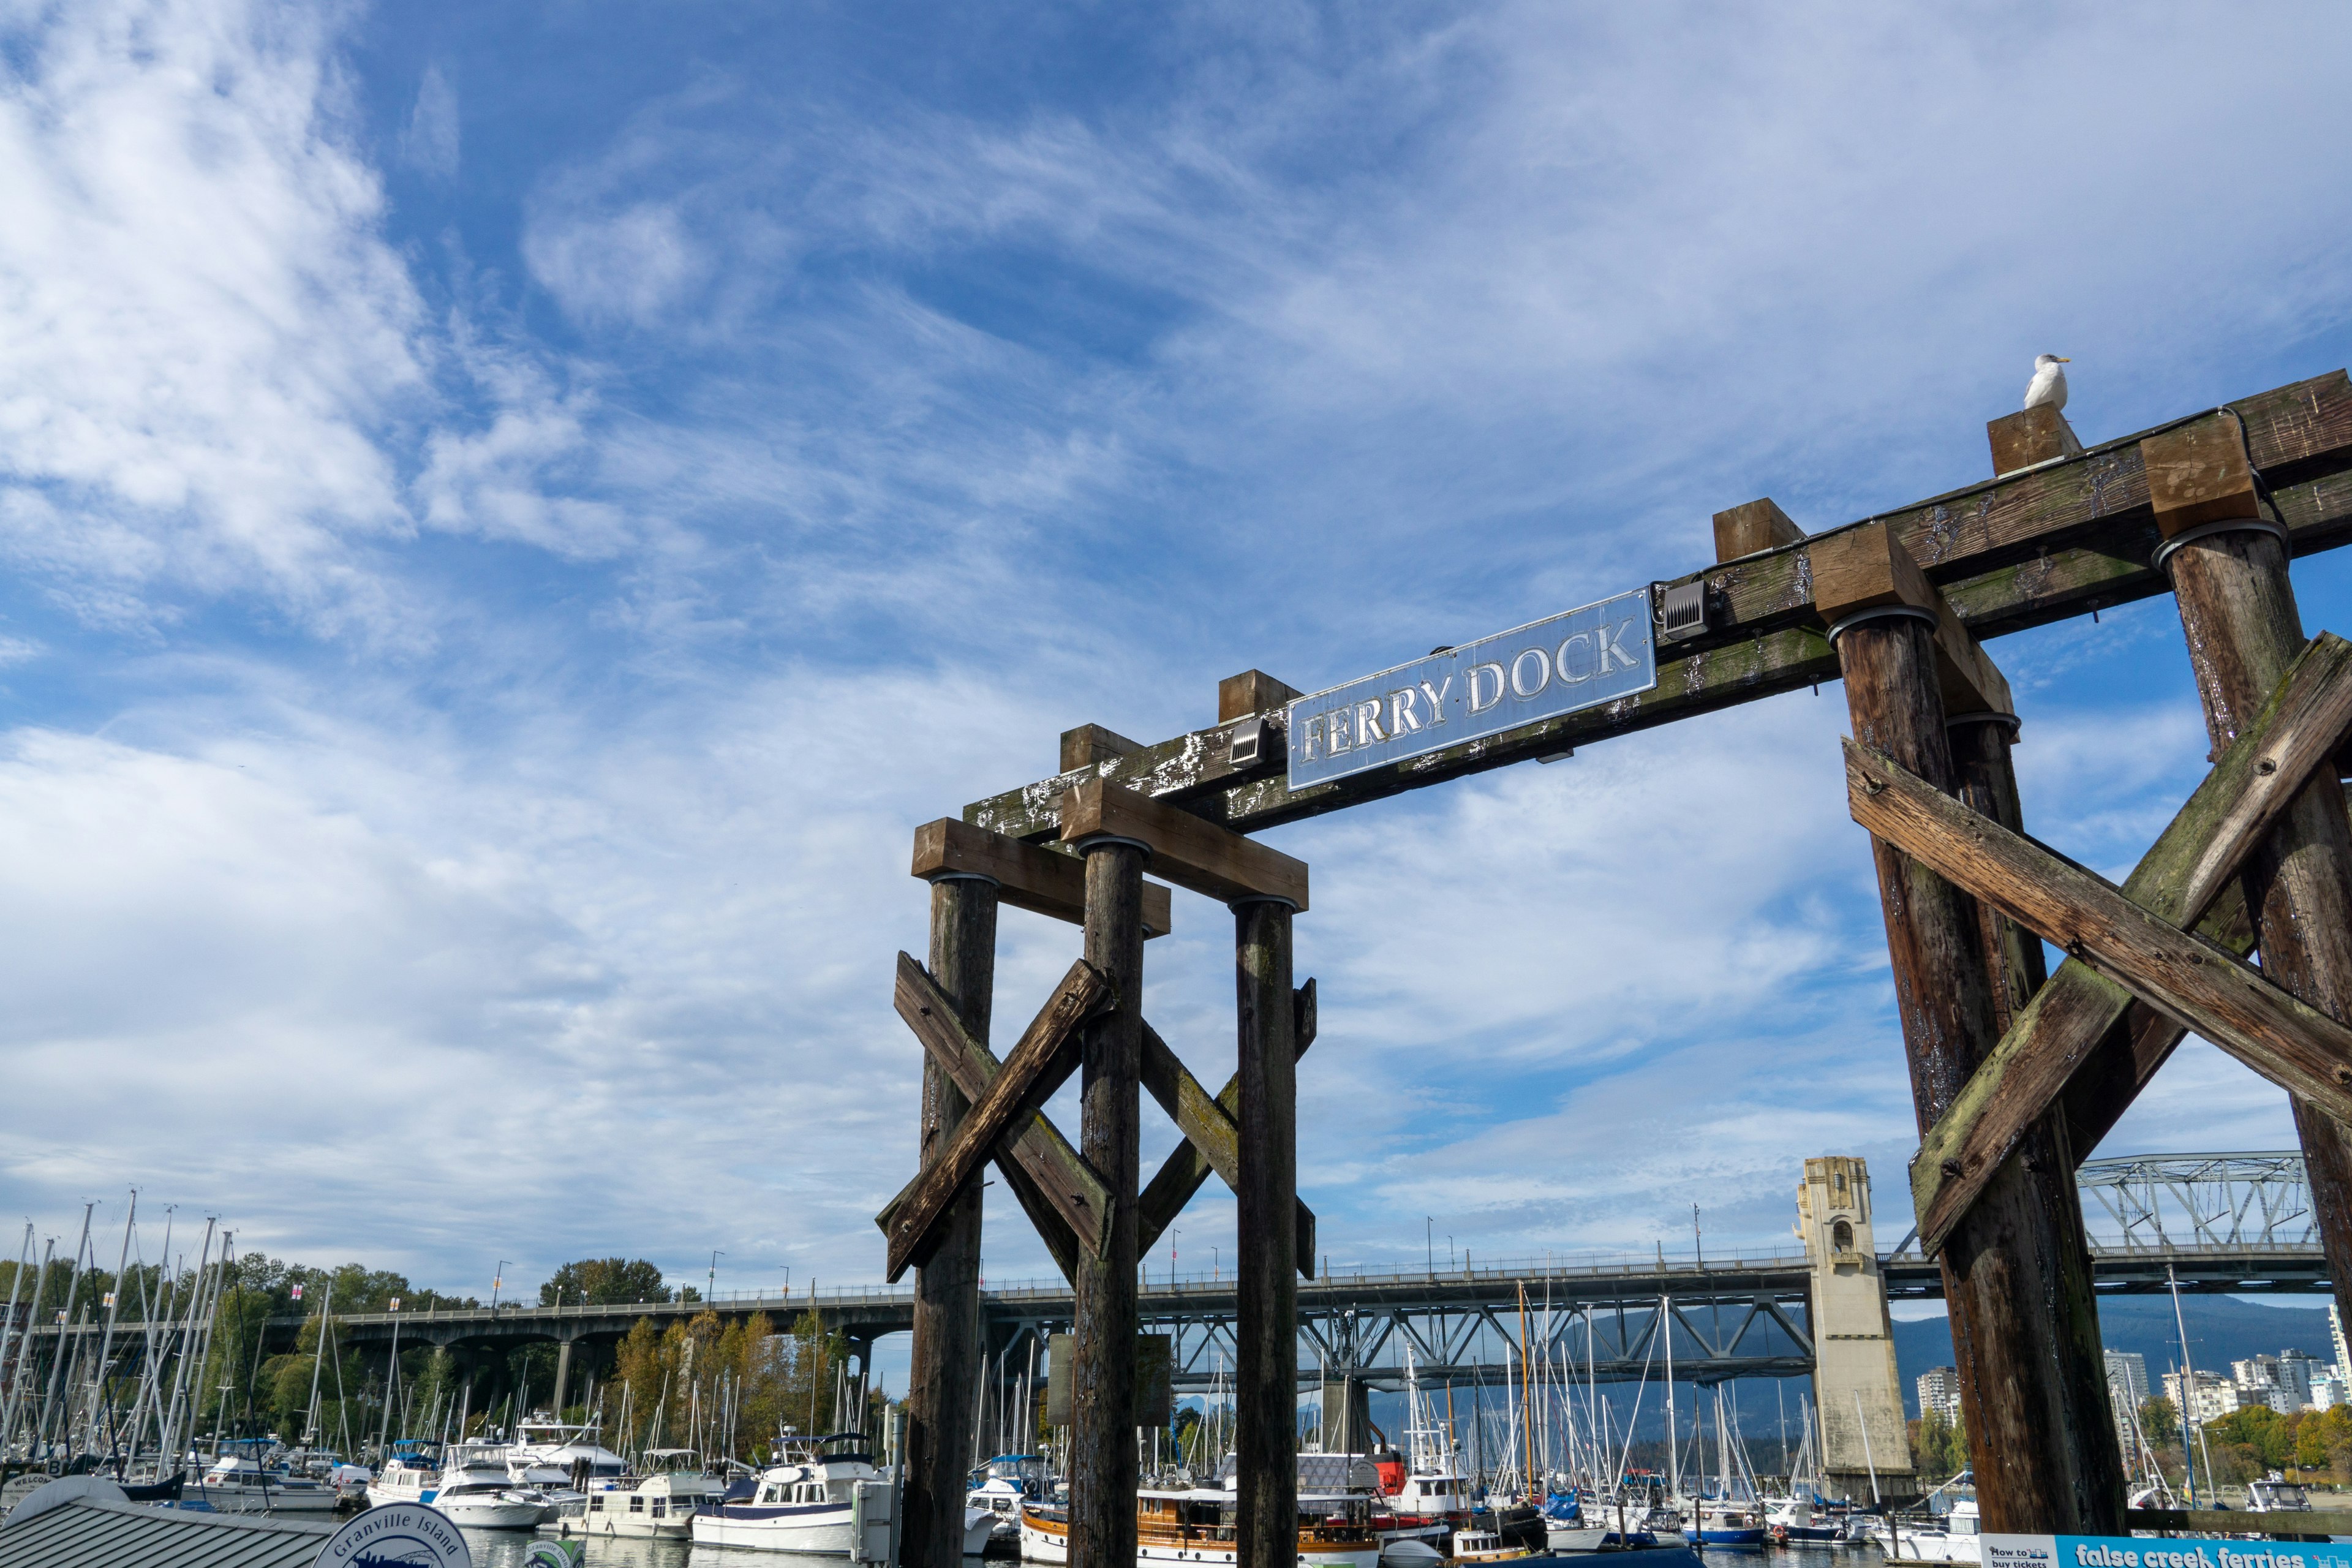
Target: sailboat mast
{"x": 1673, "y": 1435}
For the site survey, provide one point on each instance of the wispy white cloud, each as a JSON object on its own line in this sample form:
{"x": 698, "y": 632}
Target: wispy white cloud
{"x": 873, "y": 439}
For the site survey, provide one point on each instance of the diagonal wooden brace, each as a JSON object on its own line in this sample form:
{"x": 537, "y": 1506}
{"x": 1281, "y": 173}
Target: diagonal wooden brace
{"x": 1187, "y": 1168}
{"x": 2296, "y": 1045}
{"x": 1061, "y": 1193}
{"x": 1044, "y": 1056}
{"x": 1209, "y": 1128}
{"x": 2189, "y": 876}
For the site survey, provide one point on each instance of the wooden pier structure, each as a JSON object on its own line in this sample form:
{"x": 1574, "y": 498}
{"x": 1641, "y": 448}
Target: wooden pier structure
{"x": 2016, "y": 1073}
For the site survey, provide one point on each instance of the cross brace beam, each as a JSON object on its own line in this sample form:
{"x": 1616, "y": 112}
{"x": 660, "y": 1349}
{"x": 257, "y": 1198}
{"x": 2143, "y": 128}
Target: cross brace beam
{"x": 1062, "y": 1195}
{"x": 1187, "y": 1168}
{"x": 1209, "y": 1129}
{"x": 2188, "y": 876}
{"x": 1036, "y": 1065}
{"x": 2294, "y": 1044}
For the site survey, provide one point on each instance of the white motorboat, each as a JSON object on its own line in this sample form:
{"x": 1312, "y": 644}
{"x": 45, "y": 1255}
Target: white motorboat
{"x": 409, "y": 1473}
{"x": 1005, "y": 1483}
{"x": 559, "y": 1454}
{"x": 475, "y": 1492}
{"x": 247, "y": 1482}
{"x": 821, "y": 1503}
{"x": 2276, "y": 1494}
{"x": 1957, "y": 1539}
{"x": 660, "y": 1503}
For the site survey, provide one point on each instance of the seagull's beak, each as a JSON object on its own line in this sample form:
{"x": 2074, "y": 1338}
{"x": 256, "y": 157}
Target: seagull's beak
{"x": 2065, "y": 359}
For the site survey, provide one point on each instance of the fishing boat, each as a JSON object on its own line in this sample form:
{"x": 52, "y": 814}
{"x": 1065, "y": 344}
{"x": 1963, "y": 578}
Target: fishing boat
{"x": 1197, "y": 1525}
{"x": 818, "y": 1503}
{"x": 658, "y": 1503}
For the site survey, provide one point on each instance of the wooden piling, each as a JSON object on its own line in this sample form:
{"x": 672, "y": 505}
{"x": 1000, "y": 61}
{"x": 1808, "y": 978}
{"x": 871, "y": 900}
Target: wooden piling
{"x": 945, "y": 1367}
{"x": 2229, "y": 572}
{"x": 1102, "y": 1402}
{"x": 1267, "y": 1322}
{"x": 2016, "y": 1271}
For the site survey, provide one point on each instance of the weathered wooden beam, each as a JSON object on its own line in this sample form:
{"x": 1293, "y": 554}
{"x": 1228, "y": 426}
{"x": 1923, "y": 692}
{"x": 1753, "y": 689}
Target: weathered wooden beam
{"x": 2238, "y": 615}
{"x": 943, "y": 1370}
{"x": 2177, "y": 880}
{"x": 1187, "y": 1169}
{"x": 1091, "y": 744}
{"x": 1063, "y": 1196}
{"x": 1102, "y": 1459}
{"x": 1266, "y": 1295}
{"x": 1867, "y": 568}
{"x": 2032, "y": 436}
{"x": 2017, "y": 1274}
{"x": 2054, "y": 541}
{"x": 2294, "y": 1045}
{"x": 1752, "y": 528}
{"x": 1184, "y": 849}
{"x": 1028, "y": 877}
{"x": 1252, "y": 691}
{"x": 1031, "y": 1072}
{"x": 1209, "y": 1127}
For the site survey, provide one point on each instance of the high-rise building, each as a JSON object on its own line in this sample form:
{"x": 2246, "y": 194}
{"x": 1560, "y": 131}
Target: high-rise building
{"x": 2335, "y": 1331}
{"x": 2126, "y": 1383}
{"x": 2211, "y": 1395}
{"x": 2296, "y": 1371}
{"x": 1939, "y": 1392}
{"x": 2327, "y": 1391}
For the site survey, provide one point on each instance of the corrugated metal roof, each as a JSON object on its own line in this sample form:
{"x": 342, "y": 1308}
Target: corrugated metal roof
{"x": 86, "y": 1533}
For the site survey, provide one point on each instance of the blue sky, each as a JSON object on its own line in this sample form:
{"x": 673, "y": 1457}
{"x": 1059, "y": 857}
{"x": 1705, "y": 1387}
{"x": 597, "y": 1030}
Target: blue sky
{"x": 511, "y": 515}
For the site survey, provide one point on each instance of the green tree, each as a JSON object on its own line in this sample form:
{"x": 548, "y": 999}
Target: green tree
{"x": 2159, "y": 1422}
{"x": 605, "y": 1281}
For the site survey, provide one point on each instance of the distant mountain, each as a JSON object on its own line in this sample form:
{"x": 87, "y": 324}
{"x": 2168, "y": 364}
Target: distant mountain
{"x": 2222, "y": 1329}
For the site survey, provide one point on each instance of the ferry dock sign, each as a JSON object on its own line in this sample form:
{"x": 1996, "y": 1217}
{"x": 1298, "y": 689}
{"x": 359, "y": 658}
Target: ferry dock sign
{"x": 1578, "y": 659}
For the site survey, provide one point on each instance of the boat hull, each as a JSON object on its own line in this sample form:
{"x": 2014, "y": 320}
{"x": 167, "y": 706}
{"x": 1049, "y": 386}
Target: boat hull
{"x": 489, "y": 1513}
{"x": 263, "y": 1499}
{"x": 819, "y": 1530}
{"x": 1048, "y": 1541}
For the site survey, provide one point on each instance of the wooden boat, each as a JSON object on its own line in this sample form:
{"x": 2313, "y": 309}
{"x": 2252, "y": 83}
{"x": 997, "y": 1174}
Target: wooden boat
{"x": 1197, "y": 1526}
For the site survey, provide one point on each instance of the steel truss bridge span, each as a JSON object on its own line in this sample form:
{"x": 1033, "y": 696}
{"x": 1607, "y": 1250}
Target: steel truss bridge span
{"x": 2227, "y": 1223}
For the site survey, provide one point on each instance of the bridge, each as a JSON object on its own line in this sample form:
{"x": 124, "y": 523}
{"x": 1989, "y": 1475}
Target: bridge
{"x": 2224, "y": 1223}
{"x": 2227, "y": 1223}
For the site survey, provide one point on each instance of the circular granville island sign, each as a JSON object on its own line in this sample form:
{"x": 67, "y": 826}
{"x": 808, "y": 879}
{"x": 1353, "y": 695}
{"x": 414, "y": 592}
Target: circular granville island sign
{"x": 397, "y": 1536}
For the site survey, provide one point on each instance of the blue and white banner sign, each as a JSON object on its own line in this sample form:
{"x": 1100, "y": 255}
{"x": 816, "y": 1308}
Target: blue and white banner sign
{"x": 2148, "y": 1552}
{"x": 1579, "y": 659}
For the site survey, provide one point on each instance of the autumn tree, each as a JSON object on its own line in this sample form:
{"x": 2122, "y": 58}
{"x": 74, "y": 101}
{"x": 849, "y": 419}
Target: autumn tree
{"x": 604, "y": 1282}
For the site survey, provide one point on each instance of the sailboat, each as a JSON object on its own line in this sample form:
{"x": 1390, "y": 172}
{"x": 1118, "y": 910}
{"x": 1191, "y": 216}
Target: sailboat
{"x": 1801, "y": 1514}
{"x": 1728, "y": 1517}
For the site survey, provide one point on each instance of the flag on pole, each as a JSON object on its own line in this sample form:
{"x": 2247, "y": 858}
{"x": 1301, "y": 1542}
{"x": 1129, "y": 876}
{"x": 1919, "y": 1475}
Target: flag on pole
{"x": 297, "y": 1292}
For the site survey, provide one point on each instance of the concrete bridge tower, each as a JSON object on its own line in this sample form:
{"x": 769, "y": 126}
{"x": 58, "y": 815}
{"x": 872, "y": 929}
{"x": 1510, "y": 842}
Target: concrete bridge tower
{"x": 1857, "y": 1392}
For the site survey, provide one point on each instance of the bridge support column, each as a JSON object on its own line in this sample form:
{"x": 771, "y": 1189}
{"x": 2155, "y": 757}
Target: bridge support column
{"x": 944, "y": 1368}
{"x": 1102, "y": 1393}
{"x": 2229, "y": 570}
{"x": 2016, "y": 1276}
{"x": 562, "y": 1373}
{"x": 1266, "y": 1332}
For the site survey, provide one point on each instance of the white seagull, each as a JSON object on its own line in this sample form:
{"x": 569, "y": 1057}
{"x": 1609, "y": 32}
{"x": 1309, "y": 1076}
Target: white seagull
{"x": 2049, "y": 383}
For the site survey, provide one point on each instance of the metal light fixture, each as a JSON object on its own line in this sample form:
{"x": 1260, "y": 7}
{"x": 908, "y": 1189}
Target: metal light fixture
{"x": 1682, "y": 610}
